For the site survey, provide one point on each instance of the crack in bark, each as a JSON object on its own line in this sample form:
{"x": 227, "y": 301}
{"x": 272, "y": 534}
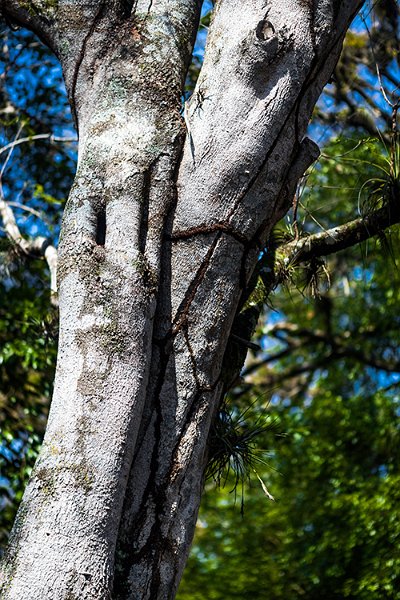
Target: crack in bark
{"x": 145, "y": 207}
{"x": 156, "y": 542}
{"x": 150, "y": 490}
{"x": 97, "y": 17}
{"x": 134, "y": 7}
{"x": 101, "y": 227}
{"x": 225, "y": 227}
{"x": 312, "y": 15}
{"x": 253, "y": 181}
{"x": 192, "y": 356}
{"x": 128, "y": 7}
{"x": 164, "y": 539}
{"x": 183, "y": 310}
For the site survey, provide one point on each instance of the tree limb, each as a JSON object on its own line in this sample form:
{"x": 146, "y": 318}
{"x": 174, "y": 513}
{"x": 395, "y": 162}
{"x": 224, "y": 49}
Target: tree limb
{"x": 339, "y": 350}
{"x": 39, "y": 246}
{"x": 341, "y": 237}
{"x": 40, "y": 136}
{"x": 36, "y": 15}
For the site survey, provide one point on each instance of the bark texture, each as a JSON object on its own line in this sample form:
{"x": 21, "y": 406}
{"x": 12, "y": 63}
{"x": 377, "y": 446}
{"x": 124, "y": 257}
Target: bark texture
{"x": 160, "y": 237}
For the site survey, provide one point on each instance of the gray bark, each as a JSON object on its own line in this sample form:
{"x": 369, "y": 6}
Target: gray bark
{"x": 159, "y": 240}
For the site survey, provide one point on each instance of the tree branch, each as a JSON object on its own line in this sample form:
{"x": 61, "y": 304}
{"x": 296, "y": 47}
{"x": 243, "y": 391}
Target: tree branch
{"x": 339, "y": 350}
{"x": 341, "y": 237}
{"x": 36, "y": 15}
{"x": 39, "y": 246}
{"x": 40, "y": 136}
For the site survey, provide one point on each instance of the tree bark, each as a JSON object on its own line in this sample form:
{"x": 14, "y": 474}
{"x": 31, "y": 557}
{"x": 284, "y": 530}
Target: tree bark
{"x": 159, "y": 240}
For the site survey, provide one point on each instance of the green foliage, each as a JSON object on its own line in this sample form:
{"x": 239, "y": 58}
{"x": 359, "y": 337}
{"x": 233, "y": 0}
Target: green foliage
{"x": 345, "y": 177}
{"x": 35, "y": 178}
{"x": 371, "y": 46}
{"x": 342, "y": 474}
{"x": 27, "y": 358}
{"x": 334, "y": 530}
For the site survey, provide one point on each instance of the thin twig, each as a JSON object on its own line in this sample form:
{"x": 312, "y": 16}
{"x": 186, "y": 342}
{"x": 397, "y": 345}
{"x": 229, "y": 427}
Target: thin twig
{"x": 39, "y": 136}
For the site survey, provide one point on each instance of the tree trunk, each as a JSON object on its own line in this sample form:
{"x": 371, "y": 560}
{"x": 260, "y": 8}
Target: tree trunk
{"x": 160, "y": 236}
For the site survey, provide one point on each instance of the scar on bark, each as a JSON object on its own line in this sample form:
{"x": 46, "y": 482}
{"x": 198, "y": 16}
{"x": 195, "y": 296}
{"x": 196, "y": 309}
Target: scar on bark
{"x": 265, "y": 30}
{"x": 101, "y": 227}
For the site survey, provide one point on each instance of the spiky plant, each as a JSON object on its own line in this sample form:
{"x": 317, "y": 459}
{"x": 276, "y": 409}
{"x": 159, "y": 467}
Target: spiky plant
{"x": 234, "y": 450}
